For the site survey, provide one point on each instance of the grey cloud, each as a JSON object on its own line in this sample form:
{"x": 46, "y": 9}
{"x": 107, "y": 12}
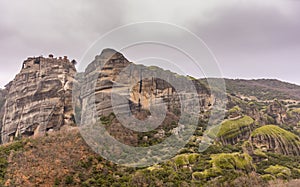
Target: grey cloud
{"x": 33, "y": 28}
{"x": 254, "y": 41}
{"x": 250, "y": 35}
{"x": 251, "y": 28}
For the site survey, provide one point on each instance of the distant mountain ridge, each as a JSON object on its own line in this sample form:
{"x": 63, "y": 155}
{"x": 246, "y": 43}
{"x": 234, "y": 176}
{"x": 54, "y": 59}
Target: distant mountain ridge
{"x": 264, "y": 89}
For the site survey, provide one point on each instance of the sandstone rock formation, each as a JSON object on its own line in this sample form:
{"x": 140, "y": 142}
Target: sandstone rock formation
{"x": 236, "y": 130}
{"x": 39, "y": 98}
{"x": 275, "y": 139}
{"x": 111, "y": 75}
{"x": 104, "y": 76}
{"x": 3, "y": 94}
{"x": 277, "y": 111}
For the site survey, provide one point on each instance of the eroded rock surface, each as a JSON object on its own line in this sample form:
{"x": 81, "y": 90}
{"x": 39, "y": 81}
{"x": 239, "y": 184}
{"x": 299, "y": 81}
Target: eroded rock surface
{"x": 112, "y": 74}
{"x": 39, "y": 98}
{"x": 3, "y": 94}
{"x": 275, "y": 139}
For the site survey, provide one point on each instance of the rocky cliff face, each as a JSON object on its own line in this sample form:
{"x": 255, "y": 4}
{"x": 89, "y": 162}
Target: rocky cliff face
{"x": 275, "y": 139}
{"x": 3, "y": 94}
{"x": 39, "y": 98}
{"x": 235, "y": 130}
{"x": 277, "y": 111}
{"x": 98, "y": 82}
{"x": 112, "y": 72}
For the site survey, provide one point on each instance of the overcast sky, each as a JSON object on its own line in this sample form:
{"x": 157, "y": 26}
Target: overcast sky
{"x": 250, "y": 39}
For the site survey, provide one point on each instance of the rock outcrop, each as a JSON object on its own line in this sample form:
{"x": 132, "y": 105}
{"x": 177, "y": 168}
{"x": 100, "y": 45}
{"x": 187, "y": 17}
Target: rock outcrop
{"x": 236, "y": 130}
{"x": 277, "y": 111}
{"x": 275, "y": 139}
{"x": 39, "y": 98}
{"x": 111, "y": 72}
{"x": 3, "y": 94}
{"x": 98, "y": 82}
{"x": 111, "y": 75}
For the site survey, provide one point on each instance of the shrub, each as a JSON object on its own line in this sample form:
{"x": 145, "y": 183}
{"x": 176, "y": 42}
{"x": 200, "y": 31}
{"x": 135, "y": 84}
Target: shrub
{"x": 69, "y": 180}
{"x": 279, "y": 171}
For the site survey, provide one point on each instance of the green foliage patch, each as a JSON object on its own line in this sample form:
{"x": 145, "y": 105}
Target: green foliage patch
{"x": 231, "y": 128}
{"x": 279, "y": 171}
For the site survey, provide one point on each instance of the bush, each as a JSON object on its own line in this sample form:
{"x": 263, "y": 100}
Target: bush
{"x": 56, "y": 181}
{"x": 279, "y": 171}
{"x": 69, "y": 180}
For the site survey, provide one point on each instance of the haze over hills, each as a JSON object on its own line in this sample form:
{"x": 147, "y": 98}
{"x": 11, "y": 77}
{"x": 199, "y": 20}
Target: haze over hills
{"x": 264, "y": 89}
{"x": 257, "y": 143}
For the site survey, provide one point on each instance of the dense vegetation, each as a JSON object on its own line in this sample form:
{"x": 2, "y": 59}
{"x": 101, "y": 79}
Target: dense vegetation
{"x": 63, "y": 159}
